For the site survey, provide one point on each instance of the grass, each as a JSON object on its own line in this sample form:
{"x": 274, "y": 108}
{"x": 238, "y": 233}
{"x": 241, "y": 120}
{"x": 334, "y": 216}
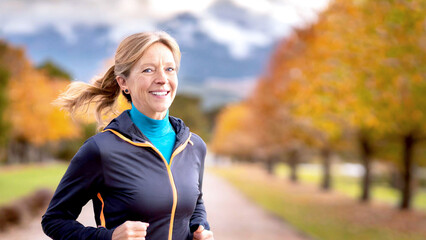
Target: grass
{"x": 351, "y": 187}
{"x": 19, "y": 181}
{"x": 327, "y": 216}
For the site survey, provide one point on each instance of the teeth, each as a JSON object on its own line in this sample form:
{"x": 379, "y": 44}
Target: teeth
{"x": 159, "y": 93}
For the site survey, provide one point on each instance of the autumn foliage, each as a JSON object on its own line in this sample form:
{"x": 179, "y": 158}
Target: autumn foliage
{"x": 356, "y": 79}
{"x": 33, "y": 121}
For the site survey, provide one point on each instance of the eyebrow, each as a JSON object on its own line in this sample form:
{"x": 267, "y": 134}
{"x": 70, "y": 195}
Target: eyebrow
{"x": 153, "y": 64}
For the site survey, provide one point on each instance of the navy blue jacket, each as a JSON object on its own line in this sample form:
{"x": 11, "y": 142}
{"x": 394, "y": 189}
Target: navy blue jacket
{"x": 127, "y": 178}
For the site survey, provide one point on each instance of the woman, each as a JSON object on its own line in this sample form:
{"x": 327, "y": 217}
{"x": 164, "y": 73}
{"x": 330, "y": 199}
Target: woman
{"x": 144, "y": 171}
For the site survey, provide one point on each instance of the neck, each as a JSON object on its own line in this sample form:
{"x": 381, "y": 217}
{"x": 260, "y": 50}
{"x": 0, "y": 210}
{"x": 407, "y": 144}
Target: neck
{"x": 150, "y": 127}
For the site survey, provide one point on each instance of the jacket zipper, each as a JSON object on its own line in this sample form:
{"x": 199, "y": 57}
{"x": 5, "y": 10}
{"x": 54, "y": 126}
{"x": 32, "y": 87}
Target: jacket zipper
{"x": 168, "y": 166}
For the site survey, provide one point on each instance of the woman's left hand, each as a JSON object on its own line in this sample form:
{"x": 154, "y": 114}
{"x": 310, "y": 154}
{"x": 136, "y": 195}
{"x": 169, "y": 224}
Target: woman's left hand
{"x": 202, "y": 234}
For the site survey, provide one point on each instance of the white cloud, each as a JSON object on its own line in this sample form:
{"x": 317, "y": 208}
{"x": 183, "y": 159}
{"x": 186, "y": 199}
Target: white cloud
{"x": 168, "y": 8}
{"x": 259, "y": 6}
{"x": 119, "y": 30}
{"x": 17, "y": 26}
{"x": 239, "y": 40}
{"x": 67, "y": 32}
{"x": 268, "y": 20}
{"x": 285, "y": 11}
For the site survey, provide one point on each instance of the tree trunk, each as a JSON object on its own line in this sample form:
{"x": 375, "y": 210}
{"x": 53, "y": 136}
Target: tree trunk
{"x": 24, "y": 152}
{"x": 366, "y": 151}
{"x": 15, "y": 152}
{"x": 326, "y": 179}
{"x": 407, "y": 187}
{"x": 293, "y": 161}
{"x": 270, "y": 166}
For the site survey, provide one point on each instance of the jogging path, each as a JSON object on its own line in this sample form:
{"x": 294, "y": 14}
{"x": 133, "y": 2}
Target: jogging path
{"x": 231, "y": 215}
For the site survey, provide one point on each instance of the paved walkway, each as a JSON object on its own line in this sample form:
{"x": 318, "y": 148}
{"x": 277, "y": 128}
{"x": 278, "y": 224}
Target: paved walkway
{"x": 231, "y": 215}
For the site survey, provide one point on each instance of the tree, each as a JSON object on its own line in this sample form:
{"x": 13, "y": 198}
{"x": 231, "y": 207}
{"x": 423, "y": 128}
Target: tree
{"x": 397, "y": 29}
{"x": 357, "y": 75}
{"x": 296, "y": 86}
{"x": 188, "y": 108}
{"x": 232, "y": 134}
{"x": 54, "y": 71}
{"x": 373, "y": 52}
{"x": 4, "y": 78}
{"x": 34, "y": 121}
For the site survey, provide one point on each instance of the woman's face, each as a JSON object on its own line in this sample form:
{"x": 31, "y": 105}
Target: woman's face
{"x": 152, "y": 81}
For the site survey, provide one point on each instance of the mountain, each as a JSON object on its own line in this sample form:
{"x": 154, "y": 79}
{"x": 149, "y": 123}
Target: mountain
{"x": 206, "y": 63}
{"x": 207, "y": 58}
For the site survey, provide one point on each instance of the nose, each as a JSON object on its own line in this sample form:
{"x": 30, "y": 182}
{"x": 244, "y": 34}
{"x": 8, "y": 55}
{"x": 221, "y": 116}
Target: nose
{"x": 162, "y": 77}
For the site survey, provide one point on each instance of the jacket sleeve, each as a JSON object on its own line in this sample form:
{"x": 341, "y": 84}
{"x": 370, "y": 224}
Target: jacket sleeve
{"x": 80, "y": 183}
{"x": 199, "y": 216}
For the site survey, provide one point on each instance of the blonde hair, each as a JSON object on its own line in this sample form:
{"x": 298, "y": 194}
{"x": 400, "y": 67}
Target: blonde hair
{"x": 103, "y": 92}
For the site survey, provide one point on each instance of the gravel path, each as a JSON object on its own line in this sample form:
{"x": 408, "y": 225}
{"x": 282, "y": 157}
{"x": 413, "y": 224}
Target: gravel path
{"x": 231, "y": 215}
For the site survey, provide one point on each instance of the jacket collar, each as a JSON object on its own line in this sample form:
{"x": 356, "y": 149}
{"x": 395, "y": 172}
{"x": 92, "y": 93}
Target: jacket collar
{"x": 124, "y": 125}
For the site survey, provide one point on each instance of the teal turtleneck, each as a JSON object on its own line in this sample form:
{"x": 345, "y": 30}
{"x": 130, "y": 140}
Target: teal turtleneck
{"x": 159, "y": 132}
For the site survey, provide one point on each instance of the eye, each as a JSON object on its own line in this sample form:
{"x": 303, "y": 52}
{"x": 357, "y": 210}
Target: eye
{"x": 170, "y": 69}
{"x": 148, "y": 70}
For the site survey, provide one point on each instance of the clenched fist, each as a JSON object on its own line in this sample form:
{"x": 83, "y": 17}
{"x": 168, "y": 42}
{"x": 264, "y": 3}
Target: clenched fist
{"x": 130, "y": 230}
{"x": 202, "y": 234}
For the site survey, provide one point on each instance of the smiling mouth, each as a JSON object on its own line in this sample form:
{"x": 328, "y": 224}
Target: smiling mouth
{"x": 160, "y": 93}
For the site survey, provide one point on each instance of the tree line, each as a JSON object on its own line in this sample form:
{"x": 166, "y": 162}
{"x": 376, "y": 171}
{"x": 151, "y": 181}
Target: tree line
{"x": 34, "y": 130}
{"x": 29, "y": 122}
{"x": 352, "y": 84}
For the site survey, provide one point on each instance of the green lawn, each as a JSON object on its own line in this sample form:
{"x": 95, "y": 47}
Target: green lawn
{"x": 19, "y": 181}
{"x": 350, "y": 186}
{"x": 324, "y": 216}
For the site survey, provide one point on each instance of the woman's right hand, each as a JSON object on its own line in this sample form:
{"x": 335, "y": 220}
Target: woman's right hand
{"x": 130, "y": 230}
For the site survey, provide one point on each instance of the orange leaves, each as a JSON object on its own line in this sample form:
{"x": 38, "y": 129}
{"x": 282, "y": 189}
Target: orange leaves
{"x": 360, "y": 67}
{"x": 232, "y": 132}
{"x": 372, "y": 64}
{"x": 33, "y": 118}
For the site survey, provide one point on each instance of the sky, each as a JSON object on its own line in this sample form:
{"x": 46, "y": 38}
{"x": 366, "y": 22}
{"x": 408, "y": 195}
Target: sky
{"x": 128, "y": 16}
{"x": 246, "y": 30}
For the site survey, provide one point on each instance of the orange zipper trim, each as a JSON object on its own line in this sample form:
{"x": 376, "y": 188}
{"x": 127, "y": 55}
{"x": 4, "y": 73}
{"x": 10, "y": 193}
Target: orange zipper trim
{"x": 169, "y": 171}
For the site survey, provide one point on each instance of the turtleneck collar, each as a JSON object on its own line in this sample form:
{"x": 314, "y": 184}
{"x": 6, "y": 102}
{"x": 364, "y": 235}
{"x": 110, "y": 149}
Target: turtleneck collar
{"x": 151, "y": 128}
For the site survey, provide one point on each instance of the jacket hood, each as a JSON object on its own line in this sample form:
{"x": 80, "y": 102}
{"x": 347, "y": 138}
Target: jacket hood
{"x": 124, "y": 125}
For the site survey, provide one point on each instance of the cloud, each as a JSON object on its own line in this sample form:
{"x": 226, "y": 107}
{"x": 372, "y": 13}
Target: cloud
{"x": 261, "y": 21}
{"x": 39, "y": 13}
{"x": 30, "y": 16}
{"x": 243, "y": 25}
{"x": 290, "y": 12}
{"x": 169, "y": 8}
{"x": 239, "y": 40}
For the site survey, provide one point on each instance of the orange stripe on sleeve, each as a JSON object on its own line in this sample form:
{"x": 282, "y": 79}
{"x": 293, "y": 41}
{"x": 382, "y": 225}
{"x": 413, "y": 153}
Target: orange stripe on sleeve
{"x": 102, "y": 211}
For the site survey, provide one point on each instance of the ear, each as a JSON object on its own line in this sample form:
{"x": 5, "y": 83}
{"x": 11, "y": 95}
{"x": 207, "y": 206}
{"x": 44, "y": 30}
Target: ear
{"x": 122, "y": 82}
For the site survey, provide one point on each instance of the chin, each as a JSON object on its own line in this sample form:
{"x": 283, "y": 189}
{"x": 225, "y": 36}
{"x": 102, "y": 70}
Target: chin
{"x": 162, "y": 109}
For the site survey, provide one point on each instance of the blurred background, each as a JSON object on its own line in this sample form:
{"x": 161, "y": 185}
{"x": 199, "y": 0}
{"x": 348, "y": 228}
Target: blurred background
{"x": 309, "y": 108}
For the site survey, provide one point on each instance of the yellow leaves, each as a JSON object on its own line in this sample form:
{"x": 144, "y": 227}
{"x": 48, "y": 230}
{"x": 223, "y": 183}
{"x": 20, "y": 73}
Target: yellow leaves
{"x": 361, "y": 67}
{"x": 417, "y": 115}
{"x": 61, "y": 126}
{"x": 230, "y": 124}
{"x": 30, "y": 112}
{"x": 123, "y": 104}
